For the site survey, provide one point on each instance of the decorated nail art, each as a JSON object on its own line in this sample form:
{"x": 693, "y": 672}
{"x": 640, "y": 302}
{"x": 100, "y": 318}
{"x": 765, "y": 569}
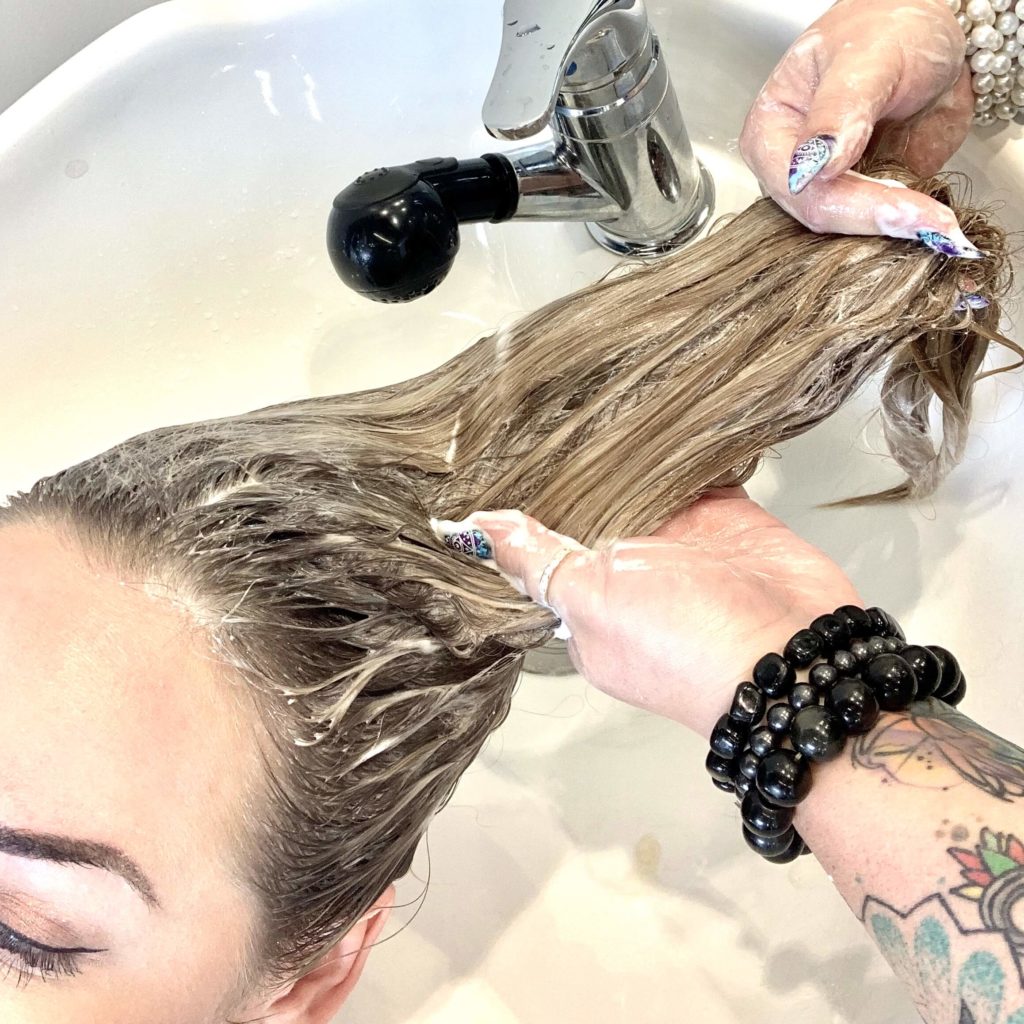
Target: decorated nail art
{"x": 463, "y": 538}
{"x": 808, "y": 159}
{"x": 970, "y": 301}
{"x": 946, "y": 246}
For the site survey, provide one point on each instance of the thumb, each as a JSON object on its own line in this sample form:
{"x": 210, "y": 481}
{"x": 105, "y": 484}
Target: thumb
{"x": 853, "y": 94}
{"x": 548, "y": 567}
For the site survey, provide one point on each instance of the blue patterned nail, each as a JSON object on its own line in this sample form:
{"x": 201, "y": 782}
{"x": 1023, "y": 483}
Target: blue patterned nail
{"x": 945, "y": 246}
{"x": 972, "y": 301}
{"x": 808, "y": 160}
{"x": 469, "y": 542}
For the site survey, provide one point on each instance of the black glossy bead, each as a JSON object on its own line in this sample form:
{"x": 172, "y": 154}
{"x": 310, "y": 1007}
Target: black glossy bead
{"x": 855, "y": 703}
{"x": 725, "y": 787}
{"x": 893, "y": 644}
{"x": 833, "y": 631}
{"x": 818, "y": 734}
{"x": 803, "y": 647}
{"x": 949, "y": 672}
{"x": 721, "y": 769}
{"x": 845, "y": 663}
{"x": 858, "y": 622}
{"x": 783, "y": 778}
{"x": 764, "y": 741}
{"x": 764, "y": 818}
{"x": 742, "y": 785}
{"x": 823, "y": 677}
{"x": 780, "y": 718}
{"x": 893, "y": 681}
{"x": 747, "y": 705}
{"x": 796, "y": 848}
{"x": 777, "y": 846}
{"x": 926, "y": 669}
{"x": 728, "y": 738}
{"x": 749, "y": 765}
{"x": 859, "y": 649}
{"x": 879, "y": 621}
{"x": 774, "y": 676}
{"x": 803, "y": 696}
{"x": 884, "y": 624}
{"x": 958, "y": 693}
{"x": 876, "y": 645}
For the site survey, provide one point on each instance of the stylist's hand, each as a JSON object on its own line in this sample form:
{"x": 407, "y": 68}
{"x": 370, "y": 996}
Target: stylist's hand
{"x": 891, "y": 75}
{"x": 675, "y": 621}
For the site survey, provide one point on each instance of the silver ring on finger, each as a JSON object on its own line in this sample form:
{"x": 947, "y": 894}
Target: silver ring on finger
{"x": 549, "y": 571}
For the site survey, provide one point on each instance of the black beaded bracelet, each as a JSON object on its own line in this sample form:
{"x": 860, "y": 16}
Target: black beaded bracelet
{"x": 859, "y": 664}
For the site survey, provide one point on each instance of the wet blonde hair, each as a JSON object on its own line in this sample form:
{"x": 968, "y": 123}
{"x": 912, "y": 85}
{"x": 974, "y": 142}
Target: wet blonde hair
{"x": 378, "y": 662}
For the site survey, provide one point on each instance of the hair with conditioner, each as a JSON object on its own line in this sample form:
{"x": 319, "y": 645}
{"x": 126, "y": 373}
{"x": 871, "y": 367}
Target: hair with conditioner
{"x": 376, "y": 660}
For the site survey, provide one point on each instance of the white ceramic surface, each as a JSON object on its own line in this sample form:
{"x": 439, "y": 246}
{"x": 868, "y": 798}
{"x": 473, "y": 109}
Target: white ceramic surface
{"x": 162, "y": 203}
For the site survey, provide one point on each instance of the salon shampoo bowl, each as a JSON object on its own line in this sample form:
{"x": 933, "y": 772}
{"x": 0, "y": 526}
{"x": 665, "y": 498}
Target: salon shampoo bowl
{"x": 162, "y": 200}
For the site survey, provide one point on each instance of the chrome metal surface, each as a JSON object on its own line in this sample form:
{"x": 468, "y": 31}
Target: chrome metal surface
{"x": 620, "y": 156}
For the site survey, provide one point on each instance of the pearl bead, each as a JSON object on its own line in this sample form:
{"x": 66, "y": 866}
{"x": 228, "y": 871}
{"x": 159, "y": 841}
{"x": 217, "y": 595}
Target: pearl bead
{"x": 953, "y": 5}
{"x": 1001, "y": 5}
{"x": 1005, "y": 111}
{"x": 1020, "y": 76}
{"x": 986, "y": 119}
{"x": 981, "y": 62}
{"x": 1000, "y": 64}
{"x": 1003, "y": 84}
{"x": 985, "y": 37}
{"x": 1017, "y": 96}
{"x": 1019, "y": 9}
{"x": 983, "y": 103}
{"x": 965, "y": 23}
{"x": 971, "y": 49}
{"x": 1007, "y": 23}
{"x": 1020, "y": 34}
{"x": 1013, "y": 46}
{"x": 983, "y": 84}
{"x": 980, "y": 11}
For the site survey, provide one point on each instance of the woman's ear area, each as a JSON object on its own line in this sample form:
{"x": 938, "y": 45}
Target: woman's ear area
{"x": 317, "y": 996}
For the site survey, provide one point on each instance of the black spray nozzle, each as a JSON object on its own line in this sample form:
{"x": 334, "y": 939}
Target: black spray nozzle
{"x": 393, "y": 234}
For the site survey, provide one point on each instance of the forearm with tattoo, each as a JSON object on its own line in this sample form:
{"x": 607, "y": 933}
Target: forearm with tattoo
{"x": 944, "y": 899}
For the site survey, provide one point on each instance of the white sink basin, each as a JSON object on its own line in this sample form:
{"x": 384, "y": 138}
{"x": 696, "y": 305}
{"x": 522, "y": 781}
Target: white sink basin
{"x": 163, "y": 198}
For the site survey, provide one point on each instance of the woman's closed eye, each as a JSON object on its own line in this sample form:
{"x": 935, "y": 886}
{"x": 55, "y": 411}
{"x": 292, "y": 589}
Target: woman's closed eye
{"x": 33, "y": 959}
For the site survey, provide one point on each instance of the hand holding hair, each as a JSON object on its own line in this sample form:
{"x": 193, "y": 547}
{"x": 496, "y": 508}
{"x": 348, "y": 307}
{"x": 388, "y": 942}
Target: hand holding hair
{"x": 669, "y": 622}
{"x": 867, "y": 77}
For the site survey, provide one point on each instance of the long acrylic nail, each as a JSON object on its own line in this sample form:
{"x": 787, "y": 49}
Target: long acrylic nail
{"x": 464, "y": 537}
{"x": 970, "y": 301}
{"x": 808, "y": 159}
{"x": 959, "y": 248}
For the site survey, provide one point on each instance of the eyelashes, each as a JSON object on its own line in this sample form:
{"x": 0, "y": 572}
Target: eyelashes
{"x": 31, "y": 959}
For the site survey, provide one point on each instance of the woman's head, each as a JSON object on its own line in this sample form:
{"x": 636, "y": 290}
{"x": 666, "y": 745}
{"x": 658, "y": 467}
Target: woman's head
{"x": 237, "y": 652}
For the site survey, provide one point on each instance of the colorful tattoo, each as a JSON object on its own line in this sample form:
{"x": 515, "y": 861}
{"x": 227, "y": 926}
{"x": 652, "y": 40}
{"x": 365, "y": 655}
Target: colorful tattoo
{"x": 953, "y": 974}
{"x": 932, "y": 746}
{"x": 993, "y": 874}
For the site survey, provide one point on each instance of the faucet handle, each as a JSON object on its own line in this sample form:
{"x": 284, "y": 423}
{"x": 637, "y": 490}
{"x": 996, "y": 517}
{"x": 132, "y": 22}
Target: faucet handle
{"x": 537, "y": 38}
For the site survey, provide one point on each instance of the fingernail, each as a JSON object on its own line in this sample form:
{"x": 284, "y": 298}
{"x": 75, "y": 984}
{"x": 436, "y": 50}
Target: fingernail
{"x": 957, "y": 247}
{"x": 464, "y": 537}
{"x": 970, "y": 301}
{"x": 808, "y": 159}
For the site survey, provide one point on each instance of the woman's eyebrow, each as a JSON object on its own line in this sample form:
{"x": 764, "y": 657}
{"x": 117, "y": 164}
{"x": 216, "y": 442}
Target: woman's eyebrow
{"x": 84, "y": 852}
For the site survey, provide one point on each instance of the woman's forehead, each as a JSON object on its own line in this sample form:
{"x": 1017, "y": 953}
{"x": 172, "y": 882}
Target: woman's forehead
{"x": 117, "y": 717}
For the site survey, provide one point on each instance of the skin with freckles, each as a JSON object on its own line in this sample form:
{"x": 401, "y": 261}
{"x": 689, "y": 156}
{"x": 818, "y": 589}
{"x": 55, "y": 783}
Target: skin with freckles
{"x": 121, "y": 729}
{"x": 869, "y": 77}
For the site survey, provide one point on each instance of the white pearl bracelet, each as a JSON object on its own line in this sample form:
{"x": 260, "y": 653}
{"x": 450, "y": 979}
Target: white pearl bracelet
{"x": 995, "y": 41}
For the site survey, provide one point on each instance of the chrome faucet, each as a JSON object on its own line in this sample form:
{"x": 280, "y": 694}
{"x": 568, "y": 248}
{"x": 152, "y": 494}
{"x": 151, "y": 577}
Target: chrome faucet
{"x": 590, "y": 71}
{"x": 620, "y": 157}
